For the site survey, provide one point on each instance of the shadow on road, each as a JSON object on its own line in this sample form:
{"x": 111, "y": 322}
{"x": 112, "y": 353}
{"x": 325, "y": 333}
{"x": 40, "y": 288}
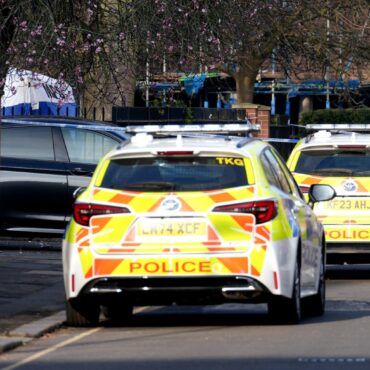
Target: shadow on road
{"x": 181, "y": 317}
{"x": 348, "y": 272}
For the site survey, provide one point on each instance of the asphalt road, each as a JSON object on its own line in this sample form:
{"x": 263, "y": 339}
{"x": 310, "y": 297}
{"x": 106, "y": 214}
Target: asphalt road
{"x": 229, "y": 337}
{"x": 31, "y": 283}
{"x": 210, "y": 337}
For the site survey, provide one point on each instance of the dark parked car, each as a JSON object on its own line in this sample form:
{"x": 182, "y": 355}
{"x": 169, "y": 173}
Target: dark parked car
{"x": 42, "y": 162}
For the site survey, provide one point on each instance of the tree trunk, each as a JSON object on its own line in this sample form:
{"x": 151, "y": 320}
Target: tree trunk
{"x": 105, "y": 89}
{"x": 112, "y": 80}
{"x": 245, "y": 79}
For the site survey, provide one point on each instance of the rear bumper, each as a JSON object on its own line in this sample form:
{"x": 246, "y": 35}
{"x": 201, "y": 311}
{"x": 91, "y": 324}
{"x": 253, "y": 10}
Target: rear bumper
{"x": 350, "y": 252}
{"x": 178, "y": 290}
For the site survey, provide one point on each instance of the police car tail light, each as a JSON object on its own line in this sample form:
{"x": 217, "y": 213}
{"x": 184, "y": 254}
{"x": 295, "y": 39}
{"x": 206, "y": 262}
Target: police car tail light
{"x": 82, "y": 212}
{"x": 264, "y": 210}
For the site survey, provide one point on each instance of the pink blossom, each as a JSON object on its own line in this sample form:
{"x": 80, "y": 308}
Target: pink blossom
{"x": 23, "y": 25}
{"x": 61, "y": 42}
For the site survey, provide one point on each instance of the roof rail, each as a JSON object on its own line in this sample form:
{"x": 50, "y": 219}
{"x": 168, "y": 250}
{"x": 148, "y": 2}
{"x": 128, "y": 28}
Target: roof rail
{"x": 225, "y": 129}
{"x": 244, "y": 142}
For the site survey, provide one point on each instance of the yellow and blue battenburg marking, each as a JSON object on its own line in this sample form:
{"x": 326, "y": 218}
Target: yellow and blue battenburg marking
{"x": 149, "y": 240}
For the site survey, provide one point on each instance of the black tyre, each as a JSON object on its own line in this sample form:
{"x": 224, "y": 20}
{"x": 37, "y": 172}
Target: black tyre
{"x": 81, "y": 313}
{"x": 118, "y": 312}
{"x": 288, "y": 310}
{"x": 315, "y": 305}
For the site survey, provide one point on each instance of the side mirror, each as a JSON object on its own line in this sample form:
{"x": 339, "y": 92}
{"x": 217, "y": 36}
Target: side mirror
{"x": 321, "y": 193}
{"x": 78, "y": 191}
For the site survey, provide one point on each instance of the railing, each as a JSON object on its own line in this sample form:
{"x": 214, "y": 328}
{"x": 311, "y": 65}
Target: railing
{"x": 136, "y": 115}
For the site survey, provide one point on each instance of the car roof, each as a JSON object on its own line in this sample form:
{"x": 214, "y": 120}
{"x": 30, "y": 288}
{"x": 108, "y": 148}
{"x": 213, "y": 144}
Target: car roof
{"x": 326, "y": 138}
{"x": 146, "y": 143}
{"x": 64, "y": 122}
{"x": 52, "y": 119}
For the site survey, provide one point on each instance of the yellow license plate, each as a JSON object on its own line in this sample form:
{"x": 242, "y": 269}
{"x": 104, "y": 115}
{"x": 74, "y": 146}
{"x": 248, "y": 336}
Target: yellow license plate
{"x": 179, "y": 228}
{"x": 360, "y": 204}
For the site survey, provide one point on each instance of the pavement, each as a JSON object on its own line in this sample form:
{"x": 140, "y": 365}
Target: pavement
{"x": 31, "y": 290}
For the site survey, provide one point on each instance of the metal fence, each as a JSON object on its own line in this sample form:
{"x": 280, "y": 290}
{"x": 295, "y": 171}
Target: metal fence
{"x": 136, "y": 115}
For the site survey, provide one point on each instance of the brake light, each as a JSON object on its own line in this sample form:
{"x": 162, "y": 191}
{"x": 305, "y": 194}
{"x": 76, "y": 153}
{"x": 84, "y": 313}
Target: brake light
{"x": 176, "y": 152}
{"x": 82, "y": 212}
{"x": 264, "y": 210}
{"x": 353, "y": 147}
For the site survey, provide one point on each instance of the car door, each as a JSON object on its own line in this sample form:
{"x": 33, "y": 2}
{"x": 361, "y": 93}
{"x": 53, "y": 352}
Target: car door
{"x": 303, "y": 216}
{"x": 311, "y": 237}
{"x": 33, "y": 183}
{"x": 84, "y": 148}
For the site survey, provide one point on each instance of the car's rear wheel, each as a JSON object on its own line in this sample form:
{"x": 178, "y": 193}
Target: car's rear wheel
{"x": 118, "y": 312}
{"x": 82, "y": 313}
{"x": 315, "y": 305}
{"x": 288, "y": 310}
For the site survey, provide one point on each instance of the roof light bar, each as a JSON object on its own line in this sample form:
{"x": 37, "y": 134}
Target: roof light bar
{"x": 339, "y": 126}
{"x": 206, "y": 128}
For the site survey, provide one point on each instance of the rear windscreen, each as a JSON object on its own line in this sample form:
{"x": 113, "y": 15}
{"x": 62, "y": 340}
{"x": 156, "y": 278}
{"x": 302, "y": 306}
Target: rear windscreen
{"x": 175, "y": 174}
{"x": 334, "y": 163}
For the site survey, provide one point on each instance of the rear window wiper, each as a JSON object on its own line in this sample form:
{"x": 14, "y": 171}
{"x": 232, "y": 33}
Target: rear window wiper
{"x": 151, "y": 185}
{"x": 362, "y": 173}
{"x": 332, "y": 171}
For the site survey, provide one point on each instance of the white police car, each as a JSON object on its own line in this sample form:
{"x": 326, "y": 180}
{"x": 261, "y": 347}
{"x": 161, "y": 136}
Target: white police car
{"x": 176, "y": 215}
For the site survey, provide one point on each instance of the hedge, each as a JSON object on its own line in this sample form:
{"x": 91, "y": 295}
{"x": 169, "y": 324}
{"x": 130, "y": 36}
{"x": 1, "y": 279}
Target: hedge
{"x": 351, "y": 115}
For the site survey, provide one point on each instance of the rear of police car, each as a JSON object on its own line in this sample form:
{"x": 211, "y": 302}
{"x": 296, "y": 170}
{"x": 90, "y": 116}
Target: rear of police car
{"x": 175, "y": 220}
{"x": 341, "y": 159}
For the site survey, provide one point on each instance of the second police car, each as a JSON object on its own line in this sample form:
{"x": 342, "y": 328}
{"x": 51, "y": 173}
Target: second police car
{"x": 190, "y": 218}
{"x": 338, "y": 155}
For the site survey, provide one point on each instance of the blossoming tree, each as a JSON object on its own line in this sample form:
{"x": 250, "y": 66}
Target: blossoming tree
{"x": 101, "y": 47}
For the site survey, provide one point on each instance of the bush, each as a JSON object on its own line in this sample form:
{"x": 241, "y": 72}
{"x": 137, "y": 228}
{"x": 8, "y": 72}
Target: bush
{"x": 336, "y": 116}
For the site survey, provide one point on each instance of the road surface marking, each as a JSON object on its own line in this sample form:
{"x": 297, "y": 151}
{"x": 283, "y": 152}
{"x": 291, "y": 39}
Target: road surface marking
{"x": 51, "y": 349}
{"x": 333, "y": 360}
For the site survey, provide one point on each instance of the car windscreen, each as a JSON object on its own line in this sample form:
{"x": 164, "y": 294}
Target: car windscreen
{"x": 336, "y": 162}
{"x": 175, "y": 174}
